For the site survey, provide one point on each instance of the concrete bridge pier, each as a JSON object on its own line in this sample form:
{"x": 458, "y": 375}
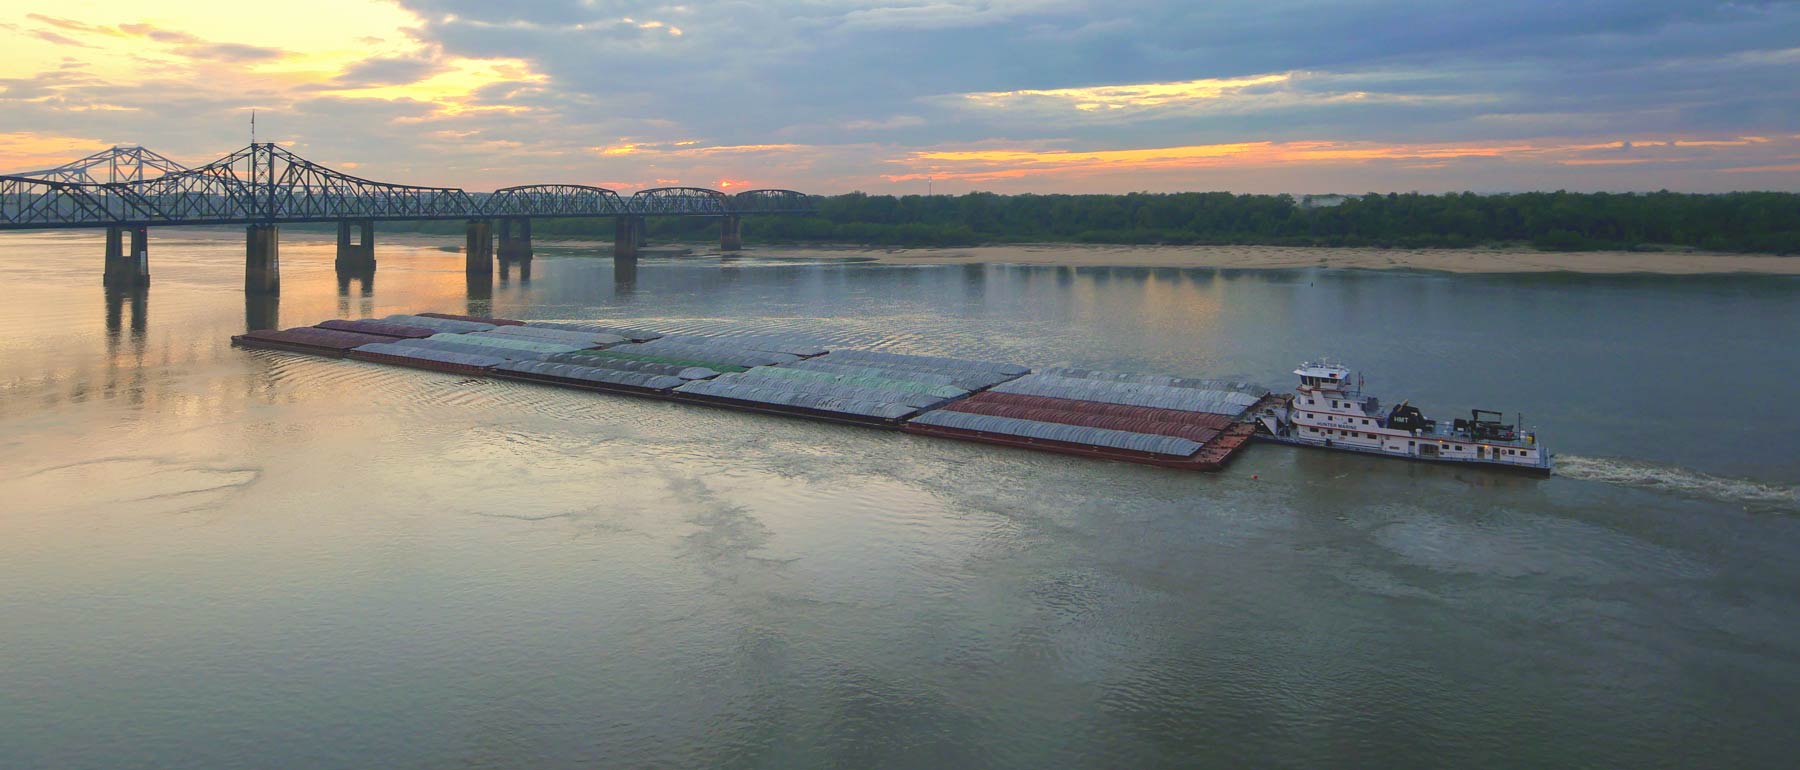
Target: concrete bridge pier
{"x": 478, "y": 249}
{"x": 126, "y": 269}
{"x": 356, "y": 255}
{"x": 262, "y": 259}
{"x": 731, "y": 233}
{"x": 628, "y": 235}
{"x": 515, "y": 239}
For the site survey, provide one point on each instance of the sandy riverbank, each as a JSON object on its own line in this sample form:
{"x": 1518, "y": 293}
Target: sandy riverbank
{"x": 1276, "y": 257}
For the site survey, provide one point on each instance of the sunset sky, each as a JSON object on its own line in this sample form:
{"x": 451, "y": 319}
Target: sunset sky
{"x": 827, "y": 96}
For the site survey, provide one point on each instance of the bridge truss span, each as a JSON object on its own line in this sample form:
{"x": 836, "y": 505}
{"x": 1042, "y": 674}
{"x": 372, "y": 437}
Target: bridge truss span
{"x": 290, "y": 188}
{"x": 680, "y": 200}
{"x": 120, "y": 164}
{"x": 554, "y": 200}
{"x": 266, "y": 184}
{"x": 27, "y": 202}
{"x": 772, "y": 202}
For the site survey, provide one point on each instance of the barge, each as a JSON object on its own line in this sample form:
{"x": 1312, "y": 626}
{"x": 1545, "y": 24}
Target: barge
{"x": 1212, "y": 456}
{"x": 784, "y": 410}
{"x": 596, "y": 379}
{"x": 422, "y": 358}
{"x": 1026, "y": 414}
{"x": 378, "y": 328}
{"x": 330, "y": 343}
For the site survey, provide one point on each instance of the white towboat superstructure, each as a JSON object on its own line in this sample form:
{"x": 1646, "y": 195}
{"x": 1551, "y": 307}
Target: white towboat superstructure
{"x": 1329, "y": 410}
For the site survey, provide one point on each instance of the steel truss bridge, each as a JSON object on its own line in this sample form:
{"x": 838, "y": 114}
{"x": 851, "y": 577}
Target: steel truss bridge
{"x": 265, "y": 184}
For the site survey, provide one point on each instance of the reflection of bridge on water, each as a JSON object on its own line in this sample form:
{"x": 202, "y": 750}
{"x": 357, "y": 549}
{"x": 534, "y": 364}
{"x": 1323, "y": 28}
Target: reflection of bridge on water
{"x": 263, "y": 186}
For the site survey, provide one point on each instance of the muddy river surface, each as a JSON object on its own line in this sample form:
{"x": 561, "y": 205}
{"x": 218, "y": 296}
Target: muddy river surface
{"x": 219, "y": 558}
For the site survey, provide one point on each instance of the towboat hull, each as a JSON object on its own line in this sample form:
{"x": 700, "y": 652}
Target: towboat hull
{"x": 1538, "y": 471}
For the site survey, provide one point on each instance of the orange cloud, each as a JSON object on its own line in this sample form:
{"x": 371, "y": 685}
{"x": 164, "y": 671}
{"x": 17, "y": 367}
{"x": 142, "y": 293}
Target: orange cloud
{"x": 1607, "y": 161}
{"x": 997, "y": 164}
{"x": 690, "y": 148}
{"x": 31, "y": 151}
{"x": 1785, "y": 167}
{"x": 1128, "y": 101}
{"x": 1124, "y": 96}
{"x": 283, "y": 54}
{"x": 741, "y": 148}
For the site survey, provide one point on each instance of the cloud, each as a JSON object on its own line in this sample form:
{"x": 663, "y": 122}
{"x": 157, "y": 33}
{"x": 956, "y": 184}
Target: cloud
{"x": 192, "y": 47}
{"x": 1782, "y": 168}
{"x": 48, "y": 36}
{"x": 181, "y": 43}
{"x": 888, "y": 124}
{"x": 946, "y": 15}
{"x": 772, "y": 67}
{"x": 995, "y": 164}
{"x": 71, "y": 25}
{"x": 1130, "y": 96}
{"x": 33, "y": 150}
{"x": 842, "y": 94}
{"x": 388, "y": 71}
{"x": 229, "y": 52}
{"x": 160, "y": 35}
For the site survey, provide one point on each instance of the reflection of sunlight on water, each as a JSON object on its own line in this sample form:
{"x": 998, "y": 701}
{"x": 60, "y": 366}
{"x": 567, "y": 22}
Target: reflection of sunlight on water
{"x": 87, "y": 342}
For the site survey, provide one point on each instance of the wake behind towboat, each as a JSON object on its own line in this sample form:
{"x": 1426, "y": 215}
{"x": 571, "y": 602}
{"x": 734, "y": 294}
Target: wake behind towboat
{"x": 1328, "y": 411}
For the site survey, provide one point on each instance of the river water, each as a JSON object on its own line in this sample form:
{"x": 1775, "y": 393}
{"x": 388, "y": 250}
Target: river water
{"x": 217, "y": 558}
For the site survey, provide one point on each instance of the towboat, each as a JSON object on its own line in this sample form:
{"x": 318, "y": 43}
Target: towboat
{"x": 1329, "y": 410}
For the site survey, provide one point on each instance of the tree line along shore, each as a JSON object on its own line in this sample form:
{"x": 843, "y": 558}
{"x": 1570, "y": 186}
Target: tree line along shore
{"x": 1747, "y": 222}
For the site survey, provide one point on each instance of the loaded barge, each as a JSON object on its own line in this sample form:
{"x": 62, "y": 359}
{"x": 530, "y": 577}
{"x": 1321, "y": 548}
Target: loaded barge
{"x": 1170, "y": 422}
